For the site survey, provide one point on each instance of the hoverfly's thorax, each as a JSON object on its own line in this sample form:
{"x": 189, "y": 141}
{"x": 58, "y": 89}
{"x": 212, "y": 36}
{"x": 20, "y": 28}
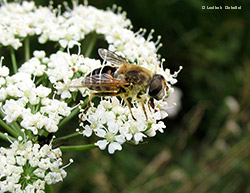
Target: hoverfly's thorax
{"x": 137, "y": 75}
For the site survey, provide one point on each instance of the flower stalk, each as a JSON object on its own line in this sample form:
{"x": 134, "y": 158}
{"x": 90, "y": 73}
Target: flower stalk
{"x": 4, "y": 137}
{"x": 8, "y": 128}
{"x": 68, "y": 118}
{"x": 66, "y": 137}
{"x": 27, "y": 48}
{"x": 78, "y": 147}
{"x": 13, "y": 59}
{"x": 90, "y": 43}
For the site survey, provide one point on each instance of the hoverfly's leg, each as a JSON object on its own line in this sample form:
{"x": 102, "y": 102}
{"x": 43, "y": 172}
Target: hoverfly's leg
{"x": 103, "y": 94}
{"x": 97, "y": 94}
{"x": 148, "y": 105}
{"x": 109, "y": 94}
{"x": 129, "y": 106}
{"x": 88, "y": 103}
{"x": 151, "y": 104}
{"x": 144, "y": 110}
{"x": 87, "y": 107}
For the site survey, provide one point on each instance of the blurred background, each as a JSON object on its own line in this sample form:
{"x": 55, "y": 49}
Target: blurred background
{"x": 205, "y": 147}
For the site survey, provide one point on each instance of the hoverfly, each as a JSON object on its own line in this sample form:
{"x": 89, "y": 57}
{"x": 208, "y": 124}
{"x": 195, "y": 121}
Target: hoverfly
{"x": 125, "y": 80}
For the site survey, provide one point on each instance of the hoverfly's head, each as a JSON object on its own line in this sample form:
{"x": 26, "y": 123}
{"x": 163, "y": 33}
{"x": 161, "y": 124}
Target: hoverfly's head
{"x": 158, "y": 88}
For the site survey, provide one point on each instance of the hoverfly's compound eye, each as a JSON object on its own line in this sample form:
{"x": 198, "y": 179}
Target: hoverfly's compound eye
{"x": 157, "y": 87}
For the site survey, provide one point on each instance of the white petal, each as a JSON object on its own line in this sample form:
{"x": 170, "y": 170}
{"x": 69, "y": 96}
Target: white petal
{"x": 63, "y": 43}
{"x": 157, "y": 115}
{"x": 72, "y": 43}
{"x": 102, "y": 144}
{"x": 65, "y": 94}
{"x": 88, "y": 131}
{"x": 151, "y": 132}
{"x": 100, "y": 133}
{"x": 138, "y": 137}
{"x": 113, "y": 147}
{"x": 113, "y": 127}
{"x": 120, "y": 139}
{"x": 128, "y": 136}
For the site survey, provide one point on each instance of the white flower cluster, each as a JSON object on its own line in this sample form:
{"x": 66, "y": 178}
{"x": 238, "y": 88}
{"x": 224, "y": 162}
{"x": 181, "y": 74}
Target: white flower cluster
{"x": 27, "y": 167}
{"x": 112, "y": 121}
{"x": 117, "y": 33}
{"x": 18, "y": 23}
{"x": 4, "y": 71}
{"x": 23, "y": 99}
{"x": 26, "y": 19}
{"x": 62, "y": 68}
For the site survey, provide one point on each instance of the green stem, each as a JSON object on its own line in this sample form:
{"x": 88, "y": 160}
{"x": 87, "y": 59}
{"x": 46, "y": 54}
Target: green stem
{"x": 66, "y": 137}
{"x": 68, "y": 118}
{"x": 78, "y": 147}
{"x": 2, "y": 136}
{"x": 37, "y": 107}
{"x": 27, "y": 49}
{"x": 8, "y": 128}
{"x": 14, "y": 125}
{"x": 49, "y": 189}
{"x": 91, "y": 45}
{"x": 13, "y": 60}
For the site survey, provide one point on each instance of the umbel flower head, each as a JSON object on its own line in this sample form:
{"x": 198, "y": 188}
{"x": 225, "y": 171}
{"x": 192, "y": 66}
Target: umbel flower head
{"x": 27, "y": 167}
{"x": 37, "y": 97}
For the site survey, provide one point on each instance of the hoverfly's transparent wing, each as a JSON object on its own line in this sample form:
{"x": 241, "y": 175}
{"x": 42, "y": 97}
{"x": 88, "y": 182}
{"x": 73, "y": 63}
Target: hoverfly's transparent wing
{"x": 111, "y": 57}
{"x": 76, "y": 83}
{"x": 98, "y": 80}
{"x": 103, "y": 79}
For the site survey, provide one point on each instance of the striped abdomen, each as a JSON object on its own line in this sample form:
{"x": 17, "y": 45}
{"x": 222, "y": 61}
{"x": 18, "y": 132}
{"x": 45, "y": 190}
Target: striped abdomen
{"x": 102, "y": 79}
